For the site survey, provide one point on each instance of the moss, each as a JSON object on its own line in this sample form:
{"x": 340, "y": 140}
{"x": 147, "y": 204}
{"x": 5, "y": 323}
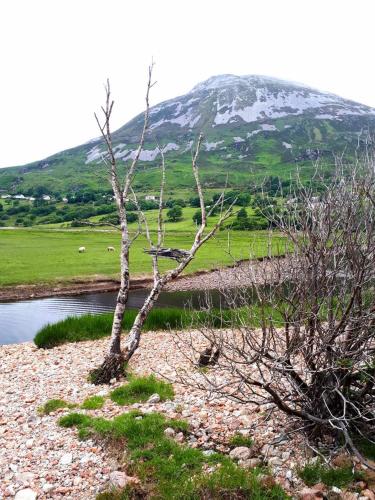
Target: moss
{"x": 53, "y": 405}
{"x": 240, "y": 440}
{"x": 93, "y": 403}
{"x": 318, "y": 473}
{"x": 140, "y": 389}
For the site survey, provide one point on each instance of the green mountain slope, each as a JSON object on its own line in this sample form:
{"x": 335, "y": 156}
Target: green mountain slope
{"x": 251, "y": 124}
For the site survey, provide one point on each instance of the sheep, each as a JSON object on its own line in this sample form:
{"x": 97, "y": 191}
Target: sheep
{"x": 111, "y": 249}
{"x": 81, "y": 249}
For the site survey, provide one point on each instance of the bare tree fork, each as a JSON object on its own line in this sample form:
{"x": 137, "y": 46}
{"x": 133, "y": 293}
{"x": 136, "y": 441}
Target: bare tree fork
{"x": 115, "y": 361}
{"x": 113, "y": 364}
{"x": 185, "y": 256}
{"x": 306, "y": 341}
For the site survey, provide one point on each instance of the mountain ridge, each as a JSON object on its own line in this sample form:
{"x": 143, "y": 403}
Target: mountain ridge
{"x": 250, "y": 122}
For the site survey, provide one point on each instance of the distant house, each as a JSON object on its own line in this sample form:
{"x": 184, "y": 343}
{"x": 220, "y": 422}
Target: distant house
{"x": 19, "y": 197}
{"x": 5, "y": 196}
{"x": 65, "y": 200}
{"x": 150, "y": 197}
{"x": 46, "y": 197}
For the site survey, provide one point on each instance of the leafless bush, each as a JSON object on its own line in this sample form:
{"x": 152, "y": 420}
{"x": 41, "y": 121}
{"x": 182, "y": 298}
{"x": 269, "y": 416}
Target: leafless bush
{"x": 304, "y": 339}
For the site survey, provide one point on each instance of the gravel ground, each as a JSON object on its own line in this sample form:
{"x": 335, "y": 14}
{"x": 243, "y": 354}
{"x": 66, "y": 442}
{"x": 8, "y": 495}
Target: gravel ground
{"x": 50, "y": 461}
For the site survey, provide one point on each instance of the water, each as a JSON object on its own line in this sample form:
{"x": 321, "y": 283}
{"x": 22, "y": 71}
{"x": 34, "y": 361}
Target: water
{"x": 21, "y": 320}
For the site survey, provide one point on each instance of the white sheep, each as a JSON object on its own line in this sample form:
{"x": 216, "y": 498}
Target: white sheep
{"x": 111, "y": 249}
{"x": 81, "y": 249}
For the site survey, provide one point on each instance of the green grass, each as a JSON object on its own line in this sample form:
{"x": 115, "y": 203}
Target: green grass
{"x": 139, "y": 389}
{"x": 53, "y": 405}
{"x": 240, "y": 440}
{"x": 93, "y": 327}
{"x": 318, "y": 473}
{"x": 166, "y": 469}
{"x": 96, "y": 326}
{"x": 48, "y": 256}
{"x": 93, "y": 403}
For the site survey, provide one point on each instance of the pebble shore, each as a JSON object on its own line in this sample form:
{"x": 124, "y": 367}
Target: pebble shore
{"x": 38, "y": 459}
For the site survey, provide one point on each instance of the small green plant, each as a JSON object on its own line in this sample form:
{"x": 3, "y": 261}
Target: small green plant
{"x": 93, "y": 403}
{"x": 318, "y": 473}
{"x": 53, "y": 405}
{"x": 240, "y": 440}
{"x": 139, "y": 389}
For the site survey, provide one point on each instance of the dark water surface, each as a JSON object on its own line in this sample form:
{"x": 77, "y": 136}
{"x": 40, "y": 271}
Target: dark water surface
{"x": 21, "y": 320}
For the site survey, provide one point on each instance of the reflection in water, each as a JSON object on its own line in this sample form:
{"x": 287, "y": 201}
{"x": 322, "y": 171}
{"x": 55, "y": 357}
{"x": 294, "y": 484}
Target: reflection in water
{"x": 20, "y": 321}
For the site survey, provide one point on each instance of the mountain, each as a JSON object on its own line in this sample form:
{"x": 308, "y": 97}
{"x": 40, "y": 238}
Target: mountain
{"x": 251, "y": 124}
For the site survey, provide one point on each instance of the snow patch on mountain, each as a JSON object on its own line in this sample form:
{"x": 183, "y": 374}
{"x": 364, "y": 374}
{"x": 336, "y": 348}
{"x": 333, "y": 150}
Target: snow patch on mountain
{"x": 94, "y": 154}
{"x": 209, "y": 146}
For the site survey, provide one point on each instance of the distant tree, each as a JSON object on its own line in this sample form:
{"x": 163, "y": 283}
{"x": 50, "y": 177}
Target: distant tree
{"x": 1, "y": 207}
{"x": 197, "y": 217}
{"x": 174, "y": 214}
{"x": 194, "y": 202}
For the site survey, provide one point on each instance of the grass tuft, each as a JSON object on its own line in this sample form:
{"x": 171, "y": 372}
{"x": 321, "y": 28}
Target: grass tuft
{"x": 53, "y": 405}
{"x": 318, "y": 473}
{"x": 241, "y": 440}
{"x": 139, "y": 389}
{"x": 93, "y": 403}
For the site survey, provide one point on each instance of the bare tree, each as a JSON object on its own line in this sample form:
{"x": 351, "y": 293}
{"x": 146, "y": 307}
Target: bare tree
{"x": 304, "y": 338}
{"x": 116, "y": 358}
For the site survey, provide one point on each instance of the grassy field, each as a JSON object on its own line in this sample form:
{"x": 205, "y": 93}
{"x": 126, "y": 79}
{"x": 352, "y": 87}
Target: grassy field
{"x": 47, "y": 256}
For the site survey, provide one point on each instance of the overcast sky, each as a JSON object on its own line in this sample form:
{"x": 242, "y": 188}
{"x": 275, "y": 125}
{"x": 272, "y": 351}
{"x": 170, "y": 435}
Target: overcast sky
{"x": 56, "y": 55}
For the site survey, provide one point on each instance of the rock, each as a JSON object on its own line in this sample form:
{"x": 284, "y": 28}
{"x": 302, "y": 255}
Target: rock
{"x": 180, "y": 437}
{"x": 47, "y": 487}
{"x": 66, "y": 459}
{"x": 342, "y": 460}
{"x": 26, "y": 494}
{"x": 29, "y": 443}
{"x": 240, "y": 453}
{"x": 251, "y": 463}
{"x": 335, "y": 489}
{"x": 25, "y": 477}
{"x": 208, "y": 453}
{"x": 112, "y": 381}
{"x": 169, "y": 432}
{"x": 155, "y": 398}
{"x": 310, "y": 494}
{"x": 118, "y": 479}
{"x": 13, "y": 467}
{"x": 368, "y": 494}
{"x": 276, "y": 461}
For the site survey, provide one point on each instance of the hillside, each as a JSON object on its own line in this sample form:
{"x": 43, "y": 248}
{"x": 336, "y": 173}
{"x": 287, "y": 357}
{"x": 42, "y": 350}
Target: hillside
{"x": 250, "y": 124}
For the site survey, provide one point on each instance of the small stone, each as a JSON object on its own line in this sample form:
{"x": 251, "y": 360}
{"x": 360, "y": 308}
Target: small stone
{"x": 335, "y": 489}
{"x": 155, "y": 398}
{"x": 118, "y": 479}
{"x": 29, "y": 443}
{"x": 112, "y": 381}
{"x": 275, "y": 461}
{"x": 251, "y": 463}
{"x": 13, "y": 467}
{"x": 368, "y": 494}
{"x": 47, "y": 487}
{"x": 66, "y": 459}
{"x": 26, "y": 494}
{"x": 139, "y": 417}
{"x": 240, "y": 453}
{"x": 310, "y": 494}
{"x": 285, "y": 455}
{"x": 208, "y": 453}
{"x": 169, "y": 432}
{"x": 180, "y": 437}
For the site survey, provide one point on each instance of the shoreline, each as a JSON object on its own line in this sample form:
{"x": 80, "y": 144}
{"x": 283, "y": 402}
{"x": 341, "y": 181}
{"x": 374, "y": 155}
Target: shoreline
{"x": 200, "y": 280}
